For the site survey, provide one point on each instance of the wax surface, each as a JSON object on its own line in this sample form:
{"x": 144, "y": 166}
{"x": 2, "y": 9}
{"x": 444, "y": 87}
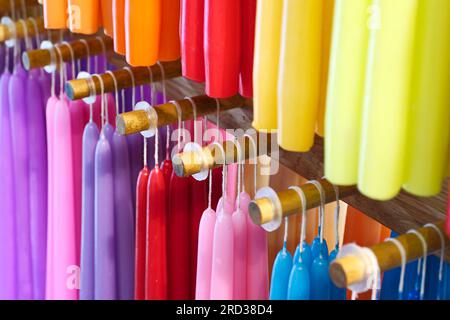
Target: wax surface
{"x": 386, "y": 109}
{"x": 169, "y": 43}
{"x": 107, "y": 17}
{"x": 119, "y": 26}
{"x": 84, "y": 16}
{"x": 247, "y": 47}
{"x": 55, "y": 14}
{"x": 346, "y": 91}
{"x": 299, "y": 79}
{"x": 429, "y": 119}
{"x": 240, "y": 247}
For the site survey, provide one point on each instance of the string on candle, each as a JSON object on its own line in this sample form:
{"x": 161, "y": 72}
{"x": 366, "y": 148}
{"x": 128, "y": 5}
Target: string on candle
{"x": 88, "y": 54}
{"x": 424, "y": 261}
{"x": 337, "y": 210}
{"x": 61, "y": 72}
{"x": 72, "y": 56}
{"x": 400, "y": 247}
{"x": 303, "y": 200}
{"x": 116, "y": 92}
{"x": 442, "y": 255}
{"x": 322, "y": 206}
{"x": 102, "y": 43}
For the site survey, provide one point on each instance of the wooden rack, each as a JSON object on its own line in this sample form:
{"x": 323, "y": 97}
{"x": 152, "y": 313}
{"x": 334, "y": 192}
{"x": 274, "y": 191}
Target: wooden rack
{"x": 5, "y": 30}
{"x": 5, "y": 5}
{"x": 81, "y": 88}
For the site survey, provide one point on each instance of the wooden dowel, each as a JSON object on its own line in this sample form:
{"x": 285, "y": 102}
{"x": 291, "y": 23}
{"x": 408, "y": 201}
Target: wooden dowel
{"x": 262, "y": 210}
{"x": 42, "y": 57}
{"x": 5, "y": 5}
{"x": 6, "y": 34}
{"x": 137, "y": 121}
{"x": 80, "y": 88}
{"x": 350, "y": 269}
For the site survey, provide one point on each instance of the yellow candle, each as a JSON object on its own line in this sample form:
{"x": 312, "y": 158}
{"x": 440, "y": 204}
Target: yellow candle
{"x": 328, "y": 15}
{"x": 299, "y": 74}
{"x": 387, "y": 98}
{"x": 430, "y": 101}
{"x": 346, "y": 91}
{"x": 265, "y": 67}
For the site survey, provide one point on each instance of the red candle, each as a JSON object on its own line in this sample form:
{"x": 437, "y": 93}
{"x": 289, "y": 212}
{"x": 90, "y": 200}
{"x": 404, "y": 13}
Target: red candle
{"x": 178, "y": 239}
{"x": 141, "y": 227}
{"x": 192, "y": 55}
{"x": 247, "y": 47}
{"x": 156, "y": 266}
{"x": 222, "y": 45}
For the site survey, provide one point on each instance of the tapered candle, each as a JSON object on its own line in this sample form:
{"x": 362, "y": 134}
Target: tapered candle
{"x": 247, "y": 47}
{"x": 240, "y": 247}
{"x": 299, "y": 74}
{"x": 55, "y": 14}
{"x": 84, "y": 16}
{"x": 385, "y": 115}
{"x": 18, "y": 112}
{"x": 124, "y": 218}
{"x": 191, "y": 32}
{"x": 428, "y": 130}
{"x": 107, "y": 17}
{"x": 38, "y": 182}
{"x": 156, "y": 273}
{"x": 87, "y": 285}
{"x": 178, "y": 242}
{"x": 143, "y": 28}
{"x": 320, "y": 280}
{"x": 8, "y": 268}
{"x": 346, "y": 91}
{"x": 105, "y": 251}
{"x": 64, "y": 227}
{"x": 119, "y": 26}
{"x": 327, "y": 30}
{"x": 45, "y": 83}
{"x": 141, "y": 234}
{"x": 222, "y": 276}
{"x": 169, "y": 43}
{"x": 222, "y": 45}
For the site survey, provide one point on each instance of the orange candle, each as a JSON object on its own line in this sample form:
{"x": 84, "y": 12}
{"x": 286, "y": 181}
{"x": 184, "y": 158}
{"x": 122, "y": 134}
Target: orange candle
{"x": 143, "y": 26}
{"x": 107, "y": 17}
{"x": 55, "y": 14}
{"x": 169, "y": 46}
{"x": 84, "y": 16}
{"x": 118, "y": 10}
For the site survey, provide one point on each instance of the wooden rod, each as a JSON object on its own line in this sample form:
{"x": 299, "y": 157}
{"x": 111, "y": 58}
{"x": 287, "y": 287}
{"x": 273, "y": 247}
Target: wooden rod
{"x": 5, "y": 5}
{"x": 80, "y": 88}
{"x": 262, "y": 210}
{"x": 350, "y": 269}
{"x": 21, "y": 32}
{"x": 137, "y": 121}
{"x": 43, "y": 57}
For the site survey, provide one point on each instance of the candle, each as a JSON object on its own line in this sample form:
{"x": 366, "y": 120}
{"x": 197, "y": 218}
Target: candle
{"x": 299, "y": 74}
{"x": 191, "y": 32}
{"x": 143, "y": 28}
{"x": 141, "y": 234}
{"x": 429, "y": 121}
{"x": 90, "y": 139}
{"x": 118, "y": 9}
{"x": 247, "y": 47}
{"x": 105, "y": 251}
{"x": 55, "y": 14}
{"x": 222, "y": 45}
{"x": 178, "y": 242}
{"x": 240, "y": 247}
{"x": 169, "y": 46}
{"x": 320, "y": 279}
{"x": 346, "y": 91}
{"x": 38, "y": 182}
{"x": 156, "y": 273}
{"x": 386, "y": 108}
{"x": 8, "y": 268}
{"x": 107, "y": 17}
{"x": 84, "y": 16}
{"x": 281, "y": 272}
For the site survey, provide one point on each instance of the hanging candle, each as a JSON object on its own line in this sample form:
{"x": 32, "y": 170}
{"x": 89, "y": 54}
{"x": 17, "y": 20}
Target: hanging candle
{"x": 222, "y": 45}
{"x": 143, "y": 28}
{"x": 107, "y": 17}
{"x": 191, "y": 32}
{"x": 84, "y": 16}
{"x": 119, "y": 26}
{"x": 55, "y": 14}
{"x": 90, "y": 139}
{"x": 247, "y": 47}
{"x": 156, "y": 273}
{"x": 327, "y": 30}
{"x": 281, "y": 271}
{"x": 105, "y": 254}
{"x": 299, "y": 79}
{"x": 386, "y": 111}
{"x": 141, "y": 233}
{"x": 18, "y": 113}
{"x": 8, "y": 284}
{"x": 307, "y": 255}
{"x": 124, "y": 218}
{"x": 428, "y": 130}
{"x": 346, "y": 91}
{"x": 169, "y": 45}
{"x": 265, "y": 69}
{"x": 38, "y": 182}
